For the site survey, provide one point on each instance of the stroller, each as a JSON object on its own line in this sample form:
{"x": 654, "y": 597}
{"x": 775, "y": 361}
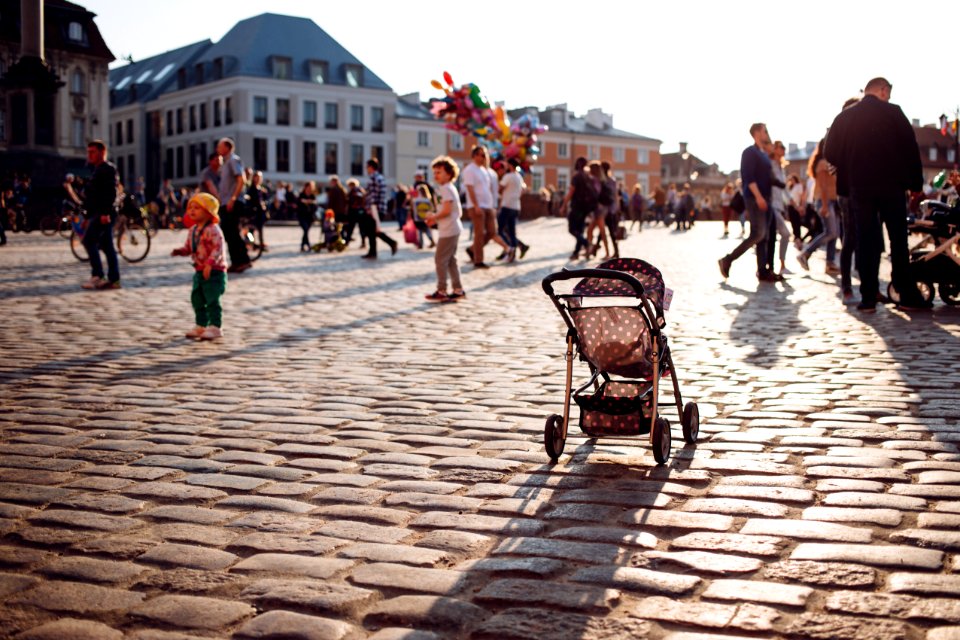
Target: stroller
{"x": 332, "y": 234}
{"x": 936, "y": 257}
{"x": 625, "y": 341}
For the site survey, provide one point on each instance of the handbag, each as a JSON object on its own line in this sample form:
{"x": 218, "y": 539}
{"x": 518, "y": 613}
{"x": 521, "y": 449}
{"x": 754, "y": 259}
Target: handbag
{"x": 410, "y": 231}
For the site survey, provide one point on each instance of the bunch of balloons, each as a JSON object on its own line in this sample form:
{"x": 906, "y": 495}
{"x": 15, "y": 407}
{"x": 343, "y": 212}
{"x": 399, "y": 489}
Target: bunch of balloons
{"x": 468, "y": 113}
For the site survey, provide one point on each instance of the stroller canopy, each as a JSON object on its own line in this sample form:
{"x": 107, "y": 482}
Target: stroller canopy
{"x": 645, "y": 272}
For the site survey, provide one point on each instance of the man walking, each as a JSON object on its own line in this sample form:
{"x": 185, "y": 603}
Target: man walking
{"x": 100, "y": 195}
{"x": 230, "y": 187}
{"x": 480, "y": 205}
{"x": 756, "y": 173}
{"x": 874, "y": 148}
{"x": 376, "y": 203}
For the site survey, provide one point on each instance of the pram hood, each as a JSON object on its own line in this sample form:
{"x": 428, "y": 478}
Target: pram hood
{"x": 646, "y": 273}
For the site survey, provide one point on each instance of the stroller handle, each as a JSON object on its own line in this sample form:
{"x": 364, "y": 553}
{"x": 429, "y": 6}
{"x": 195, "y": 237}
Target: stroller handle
{"x": 610, "y": 274}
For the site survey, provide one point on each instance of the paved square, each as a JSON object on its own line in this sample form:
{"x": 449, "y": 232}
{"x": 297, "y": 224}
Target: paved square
{"x": 351, "y": 461}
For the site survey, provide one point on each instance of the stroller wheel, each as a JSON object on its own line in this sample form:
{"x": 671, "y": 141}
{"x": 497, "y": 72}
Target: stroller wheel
{"x": 661, "y": 440}
{"x": 690, "y": 422}
{"x": 925, "y": 289}
{"x": 553, "y": 439}
{"x": 950, "y": 293}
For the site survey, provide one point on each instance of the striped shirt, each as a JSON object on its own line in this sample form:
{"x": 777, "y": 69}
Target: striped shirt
{"x": 376, "y": 193}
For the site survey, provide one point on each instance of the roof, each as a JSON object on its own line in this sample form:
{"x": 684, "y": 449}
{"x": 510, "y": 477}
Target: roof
{"x": 246, "y": 50}
{"x": 58, "y": 14}
{"x": 414, "y": 111}
{"x": 574, "y": 124}
{"x": 144, "y": 80}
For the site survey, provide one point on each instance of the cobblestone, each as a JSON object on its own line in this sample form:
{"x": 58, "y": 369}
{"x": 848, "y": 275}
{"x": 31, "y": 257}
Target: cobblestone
{"x": 342, "y": 480}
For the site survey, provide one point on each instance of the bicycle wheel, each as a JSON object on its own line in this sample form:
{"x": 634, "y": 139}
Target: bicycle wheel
{"x": 76, "y": 247}
{"x": 49, "y": 225}
{"x": 251, "y": 237}
{"x": 65, "y": 227}
{"x": 133, "y": 242}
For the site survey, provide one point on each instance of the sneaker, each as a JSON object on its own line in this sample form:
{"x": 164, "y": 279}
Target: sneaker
{"x": 480, "y": 265}
{"x": 93, "y": 283}
{"x": 457, "y": 295}
{"x": 437, "y": 296}
{"x": 195, "y": 333}
{"x": 470, "y": 253}
{"x": 769, "y": 277}
{"x": 211, "y": 333}
{"x": 866, "y": 307}
{"x": 849, "y": 298}
{"x": 503, "y": 255}
{"x": 804, "y": 261}
{"x": 574, "y": 255}
{"x": 104, "y": 285}
{"x": 724, "y": 267}
{"x": 523, "y": 250}
{"x": 393, "y": 249}
{"x": 368, "y": 256}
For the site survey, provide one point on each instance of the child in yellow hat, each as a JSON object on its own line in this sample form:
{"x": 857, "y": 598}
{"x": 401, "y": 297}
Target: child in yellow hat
{"x": 205, "y": 246}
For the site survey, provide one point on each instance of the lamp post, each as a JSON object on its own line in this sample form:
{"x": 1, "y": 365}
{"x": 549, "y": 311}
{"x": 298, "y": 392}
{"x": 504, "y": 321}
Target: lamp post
{"x": 945, "y": 126}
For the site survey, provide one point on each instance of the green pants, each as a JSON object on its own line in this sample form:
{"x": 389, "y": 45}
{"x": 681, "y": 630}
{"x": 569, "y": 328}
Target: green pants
{"x": 206, "y": 298}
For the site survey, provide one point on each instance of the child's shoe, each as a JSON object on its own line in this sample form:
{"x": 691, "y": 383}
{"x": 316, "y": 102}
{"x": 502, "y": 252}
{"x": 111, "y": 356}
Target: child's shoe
{"x": 437, "y": 296}
{"x": 195, "y": 333}
{"x": 211, "y": 333}
{"x": 459, "y": 294}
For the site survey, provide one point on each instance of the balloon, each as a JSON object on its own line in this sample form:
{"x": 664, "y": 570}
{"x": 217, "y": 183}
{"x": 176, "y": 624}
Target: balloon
{"x": 436, "y": 85}
{"x": 940, "y": 179}
{"x": 448, "y": 78}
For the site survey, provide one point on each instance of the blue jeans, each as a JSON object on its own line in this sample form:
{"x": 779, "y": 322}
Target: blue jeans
{"x": 830, "y": 233}
{"x": 99, "y": 237}
{"x": 507, "y": 225}
{"x": 759, "y": 228}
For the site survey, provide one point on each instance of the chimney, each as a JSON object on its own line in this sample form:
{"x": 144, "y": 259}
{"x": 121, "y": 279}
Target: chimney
{"x": 792, "y": 147}
{"x": 31, "y": 29}
{"x": 683, "y": 148}
{"x": 915, "y": 122}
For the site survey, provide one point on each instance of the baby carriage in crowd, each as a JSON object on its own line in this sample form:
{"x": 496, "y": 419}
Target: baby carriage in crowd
{"x": 626, "y": 341}
{"x": 936, "y": 258}
{"x": 332, "y": 233}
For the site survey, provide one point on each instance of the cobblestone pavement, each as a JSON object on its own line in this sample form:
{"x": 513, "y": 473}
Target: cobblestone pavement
{"x": 352, "y": 462}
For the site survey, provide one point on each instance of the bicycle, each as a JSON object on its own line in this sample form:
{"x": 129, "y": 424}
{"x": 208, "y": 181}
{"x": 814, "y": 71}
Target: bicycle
{"x": 52, "y": 223}
{"x": 252, "y": 238}
{"x": 130, "y": 235}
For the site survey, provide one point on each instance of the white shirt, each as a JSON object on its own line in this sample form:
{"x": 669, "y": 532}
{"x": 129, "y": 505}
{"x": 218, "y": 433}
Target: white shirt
{"x": 449, "y": 225}
{"x": 513, "y": 186}
{"x": 494, "y": 186}
{"x": 478, "y": 178}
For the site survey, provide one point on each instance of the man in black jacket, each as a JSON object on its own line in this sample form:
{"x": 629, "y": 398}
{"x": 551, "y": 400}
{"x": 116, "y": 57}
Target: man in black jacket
{"x": 875, "y": 151}
{"x": 99, "y": 199}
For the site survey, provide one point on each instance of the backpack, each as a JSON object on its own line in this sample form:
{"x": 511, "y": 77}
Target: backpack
{"x": 606, "y": 193}
{"x": 584, "y": 197}
{"x": 737, "y": 203}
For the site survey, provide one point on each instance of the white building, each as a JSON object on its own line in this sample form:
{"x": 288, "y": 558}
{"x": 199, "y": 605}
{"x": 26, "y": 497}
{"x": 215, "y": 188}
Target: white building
{"x": 420, "y": 139}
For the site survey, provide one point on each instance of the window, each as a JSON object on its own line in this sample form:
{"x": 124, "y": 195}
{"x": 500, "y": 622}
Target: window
{"x": 643, "y": 157}
{"x": 130, "y": 131}
{"x": 563, "y": 151}
{"x": 132, "y": 169}
{"x": 203, "y": 115}
{"x": 118, "y": 136}
{"x": 643, "y": 179}
{"x": 331, "y": 115}
{"x": 180, "y": 120}
{"x": 283, "y": 111}
{"x": 376, "y": 119}
{"x": 216, "y": 113}
{"x": 537, "y": 180}
{"x": 354, "y": 75}
{"x": 181, "y": 78}
{"x": 356, "y": 159}
{"x": 356, "y": 117}
{"x": 951, "y": 153}
{"x": 170, "y": 123}
{"x": 423, "y": 138}
{"x": 309, "y": 157}
{"x": 78, "y": 133}
{"x": 593, "y": 152}
{"x": 933, "y": 154}
{"x": 75, "y": 32}
{"x": 168, "y": 164}
{"x": 563, "y": 180}
{"x": 78, "y": 82}
{"x": 217, "y": 68}
{"x": 330, "y": 158}
{"x": 202, "y": 154}
{"x": 456, "y": 142}
{"x": 282, "y": 67}
{"x": 193, "y": 117}
{"x": 317, "y": 71}
{"x": 198, "y": 73}
{"x": 377, "y": 152}
{"x": 260, "y": 153}
{"x": 619, "y": 154}
{"x": 283, "y": 156}
{"x": 259, "y": 110}
{"x": 179, "y": 173}
{"x": 227, "y": 111}
{"x": 193, "y": 160}
{"x": 310, "y": 114}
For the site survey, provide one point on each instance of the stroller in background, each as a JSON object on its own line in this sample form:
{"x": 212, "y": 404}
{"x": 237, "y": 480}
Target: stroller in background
{"x": 625, "y": 341}
{"x": 936, "y": 258}
{"x": 332, "y": 234}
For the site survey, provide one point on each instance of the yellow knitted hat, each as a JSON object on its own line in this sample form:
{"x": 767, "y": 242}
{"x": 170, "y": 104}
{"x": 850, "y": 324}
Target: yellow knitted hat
{"x": 210, "y": 203}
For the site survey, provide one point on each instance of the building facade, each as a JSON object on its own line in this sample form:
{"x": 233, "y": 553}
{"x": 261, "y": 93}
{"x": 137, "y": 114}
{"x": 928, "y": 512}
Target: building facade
{"x": 299, "y": 106}
{"x": 420, "y": 139}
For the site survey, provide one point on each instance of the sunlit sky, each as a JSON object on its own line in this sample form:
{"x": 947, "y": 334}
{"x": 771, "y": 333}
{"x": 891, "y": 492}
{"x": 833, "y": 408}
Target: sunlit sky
{"x": 693, "y": 71}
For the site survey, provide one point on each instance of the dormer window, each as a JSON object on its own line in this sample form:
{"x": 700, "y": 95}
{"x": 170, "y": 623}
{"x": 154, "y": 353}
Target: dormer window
{"x": 75, "y": 32}
{"x": 318, "y": 71}
{"x": 217, "y": 68}
{"x": 282, "y": 68}
{"x": 354, "y": 75}
{"x": 198, "y": 73}
{"x": 181, "y": 78}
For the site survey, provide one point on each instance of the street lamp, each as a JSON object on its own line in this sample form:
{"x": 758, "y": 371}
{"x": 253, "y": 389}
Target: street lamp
{"x": 945, "y": 126}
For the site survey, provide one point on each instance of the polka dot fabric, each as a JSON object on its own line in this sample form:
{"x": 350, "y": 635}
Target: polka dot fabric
{"x": 647, "y": 274}
{"x": 616, "y": 409}
{"x": 615, "y": 340}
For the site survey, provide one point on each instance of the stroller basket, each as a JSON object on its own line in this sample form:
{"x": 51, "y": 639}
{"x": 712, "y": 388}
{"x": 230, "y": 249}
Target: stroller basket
{"x": 616, "y": 409}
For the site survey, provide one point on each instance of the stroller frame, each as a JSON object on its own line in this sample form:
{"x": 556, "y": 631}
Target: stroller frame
{"x": 557, "y": 426}
{"x": 940, "y": 264}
